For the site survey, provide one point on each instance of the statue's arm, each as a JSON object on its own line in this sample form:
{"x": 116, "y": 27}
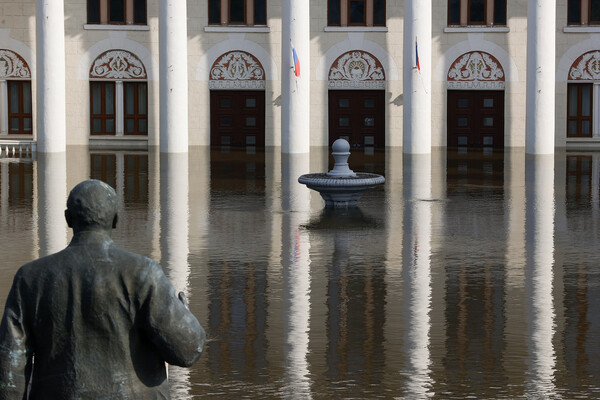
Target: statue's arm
{"x": 15, "y": 354}
{"x": 174, "y": 330}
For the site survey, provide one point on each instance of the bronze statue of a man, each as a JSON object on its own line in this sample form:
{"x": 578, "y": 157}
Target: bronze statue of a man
{"x": 93, "y": 321}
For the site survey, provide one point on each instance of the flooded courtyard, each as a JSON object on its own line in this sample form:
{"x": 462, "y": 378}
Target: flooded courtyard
{"x": 467, "y": 274}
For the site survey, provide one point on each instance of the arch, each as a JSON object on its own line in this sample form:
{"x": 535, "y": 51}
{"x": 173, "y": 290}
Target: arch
{"x": 117, "y": 40}
{"x": 475, "y": 42}
{"x": 570, "y": 56}
{"x": 476, "y": 70}
{"x": 356, "y": 41}
{"x": 586, "y": 67}
{"x": 236, "y": 70}
{"x": 118, "y": 64}
{"x": 356, "y": 69}
{"x": 12, "y": 65}
{"x": 236, "y": 41}
{"x": 20, "y": 48}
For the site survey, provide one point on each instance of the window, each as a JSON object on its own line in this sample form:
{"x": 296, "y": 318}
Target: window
{"x": 136, "y": 108}
{"x": 476, "y": 12}
{"x": 356, "y": 13}
{"x": 583, "y": 12}
{"x": 102, "y": 104}
{"x": 579, "y": 114}
{"x": 118, "y": 12}
{"x": 19, "y": 107}
{"x": 237, "y": 12}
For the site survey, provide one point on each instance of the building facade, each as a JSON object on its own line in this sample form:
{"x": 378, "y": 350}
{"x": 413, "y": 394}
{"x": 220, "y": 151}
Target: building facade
{"x": 144, "y": 73}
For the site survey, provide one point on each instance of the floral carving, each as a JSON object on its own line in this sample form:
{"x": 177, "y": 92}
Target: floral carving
{"x": 118, "y": 64}
{"x": 586, "y": 67}
{"x": 356, "y": 69}
{"x": 237, "y": 70}
{"x": 13, "y": 65}
{"x": 476, "y": 70}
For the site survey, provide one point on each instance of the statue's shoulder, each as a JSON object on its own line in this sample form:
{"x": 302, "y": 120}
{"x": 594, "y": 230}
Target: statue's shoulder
{"x": 134, "y": 260}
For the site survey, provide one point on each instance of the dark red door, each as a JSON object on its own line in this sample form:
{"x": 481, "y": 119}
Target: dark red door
{"x": 475, "y": 118}
{"x": 357, "y": 116}
{"x": 237, "y": 118}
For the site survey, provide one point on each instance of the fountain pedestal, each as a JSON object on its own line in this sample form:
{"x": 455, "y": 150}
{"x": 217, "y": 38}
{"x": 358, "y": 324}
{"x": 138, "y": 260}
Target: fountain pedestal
{"x": 341, "y": 187}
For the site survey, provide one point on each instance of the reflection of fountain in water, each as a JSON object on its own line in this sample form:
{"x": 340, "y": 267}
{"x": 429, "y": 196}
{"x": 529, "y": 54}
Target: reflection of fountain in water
{"x": 296, "y": 273}
{"x": 175, "y": 247}
{"x": 539, "y": 273}
{"x": 417, "y": 275}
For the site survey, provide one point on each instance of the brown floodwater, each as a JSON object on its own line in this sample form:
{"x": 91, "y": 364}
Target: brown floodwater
{"x": 466, "y": 275}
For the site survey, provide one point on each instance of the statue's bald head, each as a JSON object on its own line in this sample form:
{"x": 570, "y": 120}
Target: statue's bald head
{"x": 92, "y": 204}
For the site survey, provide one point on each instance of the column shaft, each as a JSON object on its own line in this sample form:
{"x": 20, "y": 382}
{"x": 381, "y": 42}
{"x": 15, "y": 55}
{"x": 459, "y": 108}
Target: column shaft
{"x": 541, "y": 76}
{"x": 417, "y": 79}
{"x": 295, "y": 90}
{"x": 173, "y": 76}
{"x": 50, "y": 54}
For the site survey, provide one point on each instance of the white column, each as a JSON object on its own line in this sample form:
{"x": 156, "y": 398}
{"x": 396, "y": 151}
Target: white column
{"x": 50, "y": 56}
{"x": 119, "y": 110}
{"x": 173, "y": 76}
{"x": 3, "y": 107}
{"x": 52, "y": 192}
{"x": 417, "y": 81}
{"x": 596, "y": 110}
{"x": 295, "y": 111}
{"x": 539, "y": 226}
{"x": 541, "y": 78}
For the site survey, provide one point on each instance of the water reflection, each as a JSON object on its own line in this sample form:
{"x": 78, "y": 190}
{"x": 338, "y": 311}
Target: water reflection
{"x": 539, "y": 273}
{"x": 464, "y": 275}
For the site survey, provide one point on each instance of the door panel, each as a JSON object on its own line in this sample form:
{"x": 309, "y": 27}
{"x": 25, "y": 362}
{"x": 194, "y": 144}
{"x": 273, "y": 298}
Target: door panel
{"x": 357, "y": 116}
{"x": 237, "y": 118}
{"x": 475, "y": 118}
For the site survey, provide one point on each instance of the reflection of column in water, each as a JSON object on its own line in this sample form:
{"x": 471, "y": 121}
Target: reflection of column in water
{"x": 52, "y": 200}
{"x": 296, "y": 274}
{"x": 539, "y": 272}
{"x": 417, "y": 274}
{"x": 174, "y": 203}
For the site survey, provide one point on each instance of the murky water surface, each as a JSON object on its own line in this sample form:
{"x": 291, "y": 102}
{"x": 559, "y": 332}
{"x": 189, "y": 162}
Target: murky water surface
{"x": 465, "y": 276}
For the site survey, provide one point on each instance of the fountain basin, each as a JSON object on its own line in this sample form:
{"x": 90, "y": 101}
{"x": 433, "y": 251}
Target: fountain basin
{"x": 341, "y": 192}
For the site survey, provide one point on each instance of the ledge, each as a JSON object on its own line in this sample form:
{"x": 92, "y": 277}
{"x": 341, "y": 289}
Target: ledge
{"x": 476, "y": 29}
{"x": 581, "y": 29}
{"x": 582, "y": 144}
{"x": 111, "y": 27}
{"x": 118, "y": 142}
{"x": 356, "y": 29}
{"x": 237, "y": 29}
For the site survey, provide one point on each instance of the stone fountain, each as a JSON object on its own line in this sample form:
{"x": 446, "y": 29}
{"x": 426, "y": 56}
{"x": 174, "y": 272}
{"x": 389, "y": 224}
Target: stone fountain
{"x": 341, "y": 187}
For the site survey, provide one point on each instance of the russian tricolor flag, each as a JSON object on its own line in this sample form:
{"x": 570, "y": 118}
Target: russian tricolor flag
{"x": 417, "y": 55}
{"x": 296, "y": 62}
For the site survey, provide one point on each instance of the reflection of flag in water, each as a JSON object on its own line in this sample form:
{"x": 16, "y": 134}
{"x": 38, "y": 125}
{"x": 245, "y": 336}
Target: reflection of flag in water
{"x": 417, "y": 55}
{"x": 296, "y": 62}
{"x": 297, "y": 247}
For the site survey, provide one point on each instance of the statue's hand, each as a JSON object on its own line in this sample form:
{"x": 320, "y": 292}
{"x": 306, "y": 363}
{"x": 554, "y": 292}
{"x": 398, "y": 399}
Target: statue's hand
{"x": 184, "y": 300}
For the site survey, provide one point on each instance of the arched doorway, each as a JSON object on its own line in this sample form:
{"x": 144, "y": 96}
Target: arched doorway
{"x": 15, "y": 95}
{"x": 357, "y": 100}
{"x": 237, "y": 101}
{"x": 583, "y": 96}
{"x": 475, "y": 101}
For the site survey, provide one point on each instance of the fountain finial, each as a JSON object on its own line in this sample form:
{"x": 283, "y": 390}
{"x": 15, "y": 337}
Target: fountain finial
{"x": 341, "y": 152}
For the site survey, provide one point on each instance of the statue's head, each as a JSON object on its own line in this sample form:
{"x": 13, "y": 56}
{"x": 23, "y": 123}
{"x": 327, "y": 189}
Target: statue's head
{"x": 92, "y": 205}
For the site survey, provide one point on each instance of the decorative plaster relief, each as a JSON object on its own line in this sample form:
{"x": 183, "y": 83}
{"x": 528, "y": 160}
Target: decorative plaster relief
{"x": 237, "y": 70}
{"x": 476, "y": 70}
{"x": 356, "y": 70}
{"x": 586, "y": 67}
{"x": 13, "y": 65}
{"x": 117, "y": 64}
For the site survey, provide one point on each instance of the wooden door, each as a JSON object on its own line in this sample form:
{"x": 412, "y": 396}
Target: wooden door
{"x": 475, "y": 118}
{"x": 237, "y": 118}
{"x": 357, "y": 116}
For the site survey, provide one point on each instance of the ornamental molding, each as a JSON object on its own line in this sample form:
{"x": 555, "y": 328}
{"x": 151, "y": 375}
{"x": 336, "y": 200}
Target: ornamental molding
{"x": 356, "y": 70}
{"x": 13, "y": 65}
{"x": 118, "y": 64}
{"x": 476, "y": 70}
{"x": 586, "y": 67}
{"x": 237, "y": 70}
